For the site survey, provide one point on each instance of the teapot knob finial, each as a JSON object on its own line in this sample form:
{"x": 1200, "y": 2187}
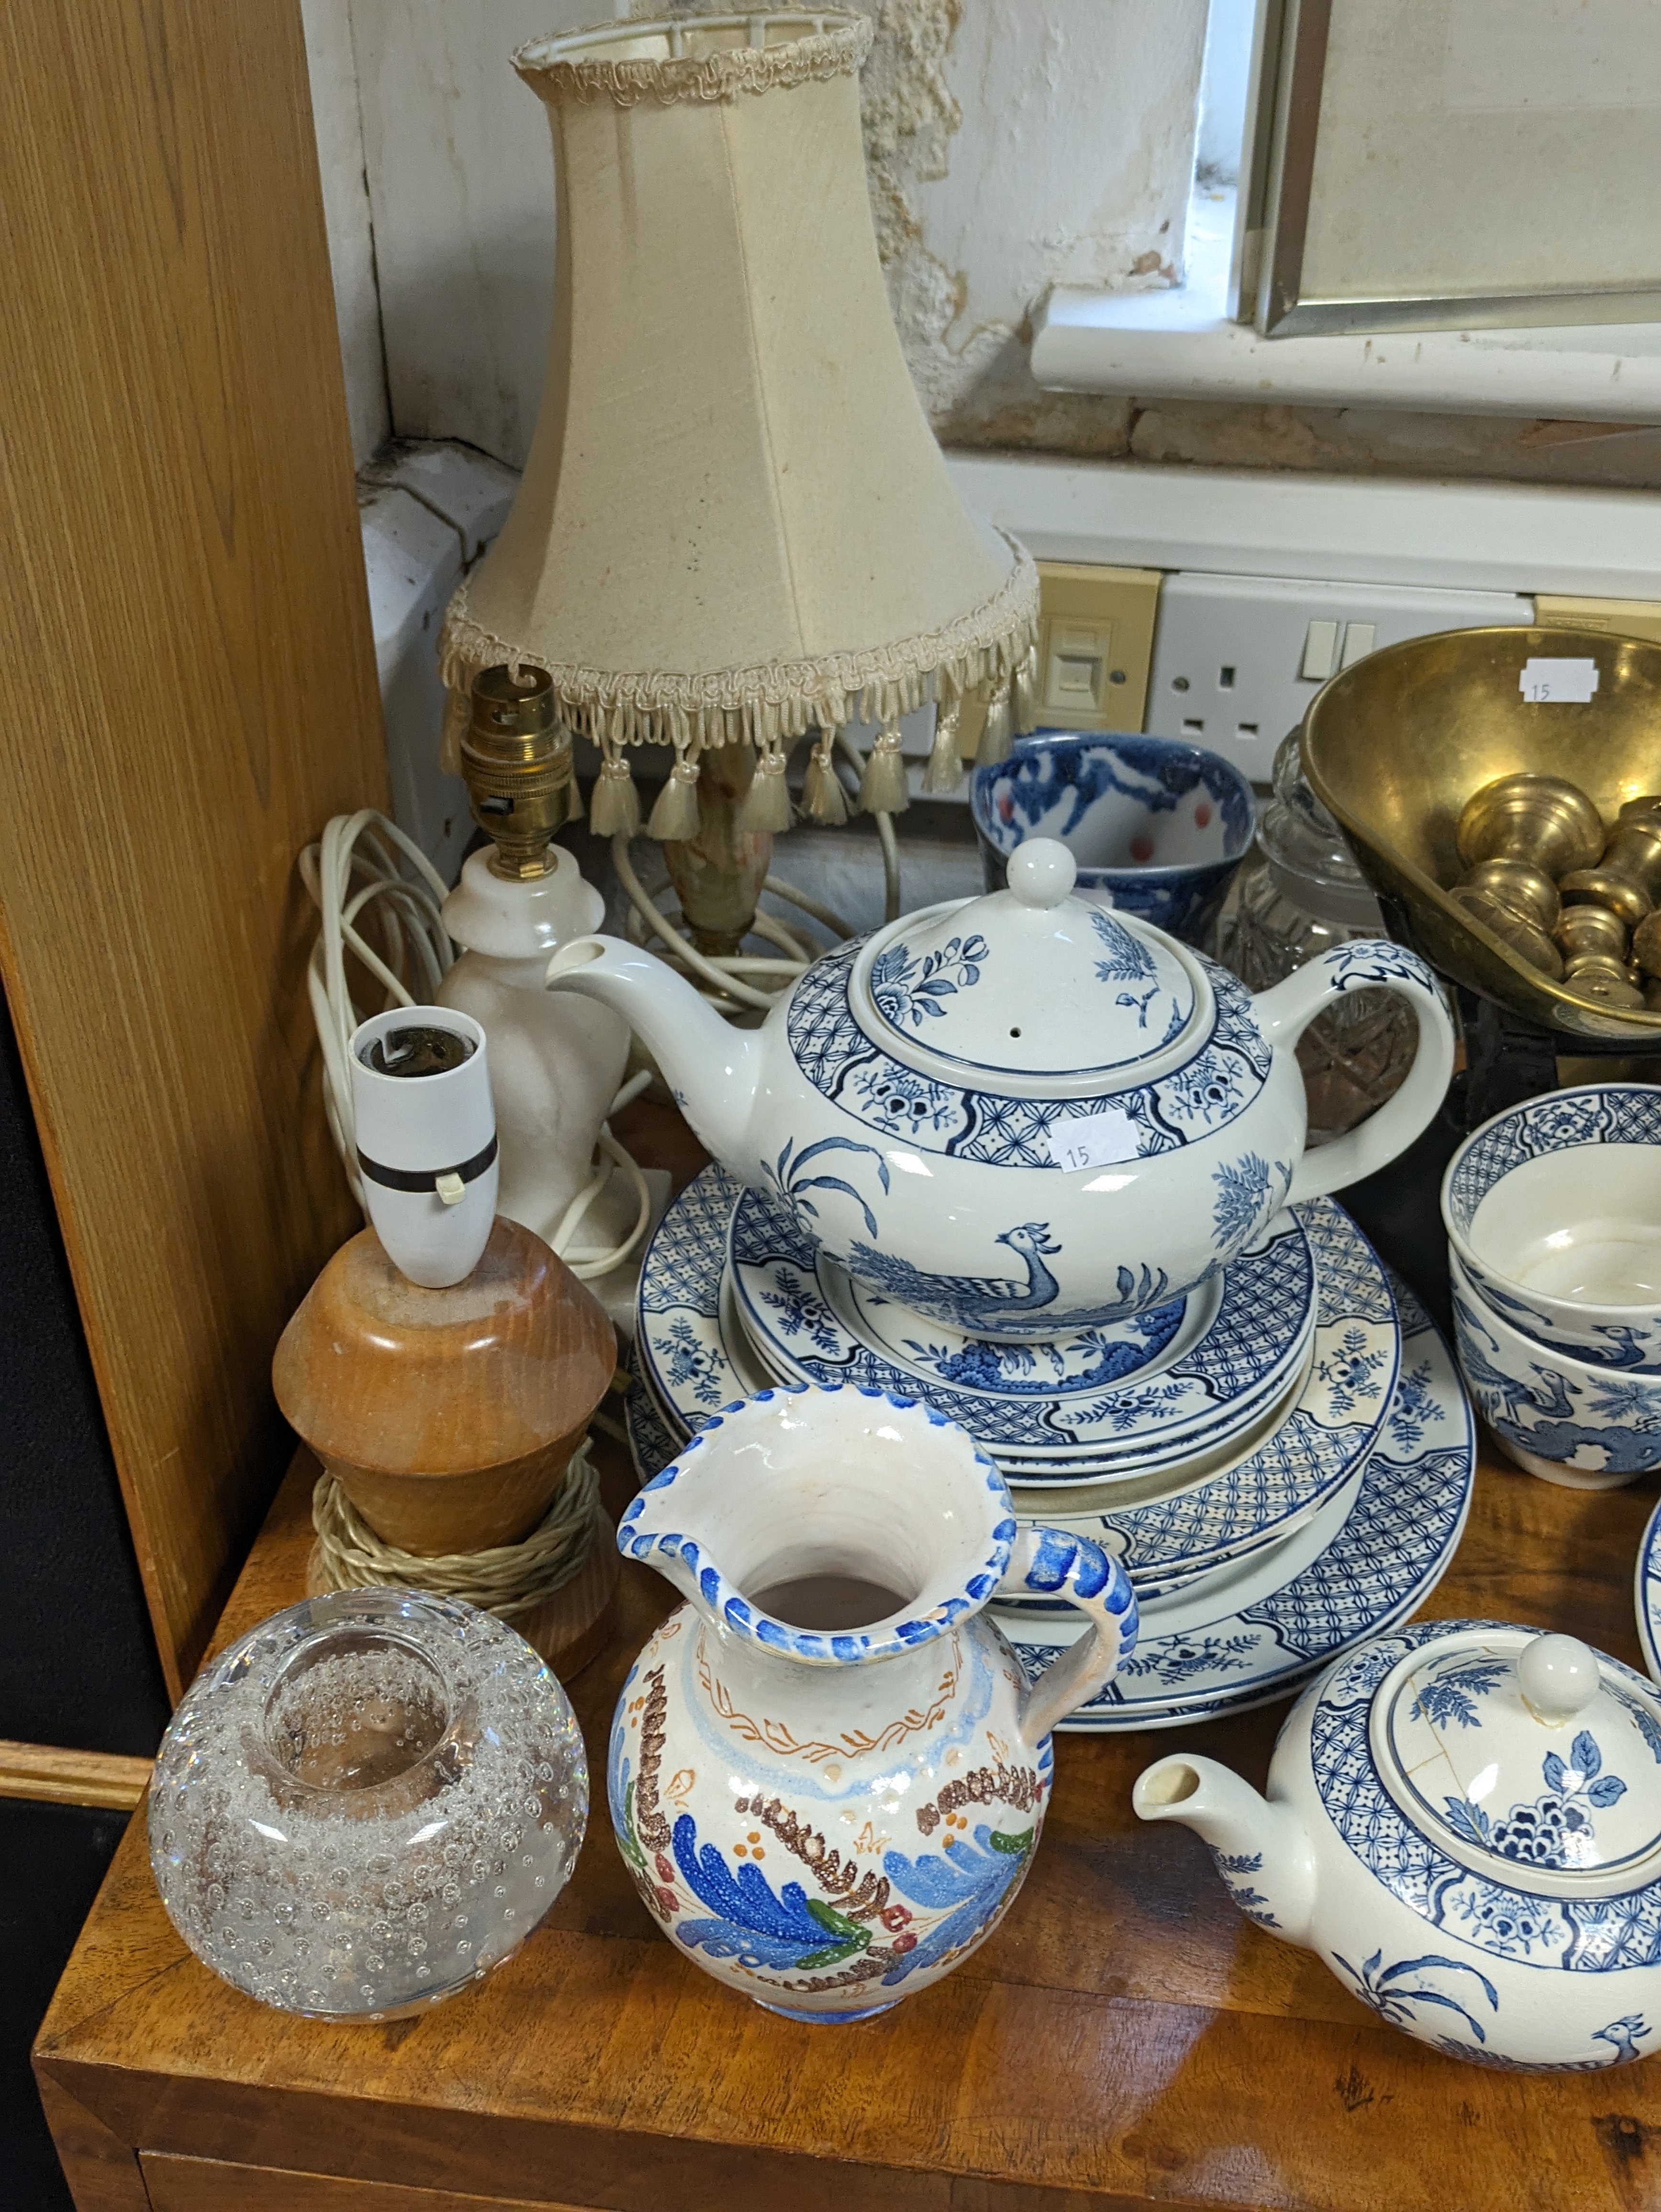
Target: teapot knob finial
{"x": 1559, "y": 1677}
{"x": 1041, "y": 872}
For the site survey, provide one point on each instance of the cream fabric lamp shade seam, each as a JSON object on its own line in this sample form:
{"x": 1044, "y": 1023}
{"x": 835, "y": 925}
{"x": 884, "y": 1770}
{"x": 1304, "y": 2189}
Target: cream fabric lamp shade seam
{"x": 734, "y": 524}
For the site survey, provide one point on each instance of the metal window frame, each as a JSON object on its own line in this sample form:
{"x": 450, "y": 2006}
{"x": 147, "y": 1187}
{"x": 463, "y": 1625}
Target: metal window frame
{"x": 1284, "y": 169}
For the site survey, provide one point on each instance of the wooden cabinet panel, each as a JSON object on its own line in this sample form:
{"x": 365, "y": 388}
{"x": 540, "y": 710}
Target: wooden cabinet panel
{"x": 191, "y": 692}
{"x": 209, "y": 2184}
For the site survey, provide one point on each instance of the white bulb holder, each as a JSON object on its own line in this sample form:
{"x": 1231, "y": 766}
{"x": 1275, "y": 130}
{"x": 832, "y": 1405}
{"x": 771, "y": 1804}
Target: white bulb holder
{"x": 427, "y": 1149}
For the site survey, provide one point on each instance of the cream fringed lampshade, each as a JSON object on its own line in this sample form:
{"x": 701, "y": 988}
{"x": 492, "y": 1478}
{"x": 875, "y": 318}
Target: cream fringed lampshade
{"x": 735, "y": 525}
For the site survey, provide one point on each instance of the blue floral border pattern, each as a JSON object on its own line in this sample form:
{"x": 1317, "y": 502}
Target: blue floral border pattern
{"x": 1592, "y": 1935}
{"x": 1597, "y": 1115}
{"x": 1394, "y": 1545}
{"x": 852, "y": 1069}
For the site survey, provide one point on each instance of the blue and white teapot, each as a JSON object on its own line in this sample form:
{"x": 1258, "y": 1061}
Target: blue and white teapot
{"x": 1022, "y": 1115}
{"x": 1463, "y": 1820}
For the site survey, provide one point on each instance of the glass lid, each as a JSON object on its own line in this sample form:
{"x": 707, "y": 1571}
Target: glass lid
{"x": 1030, "y": 986}
{"x": 1530, "y": 1758}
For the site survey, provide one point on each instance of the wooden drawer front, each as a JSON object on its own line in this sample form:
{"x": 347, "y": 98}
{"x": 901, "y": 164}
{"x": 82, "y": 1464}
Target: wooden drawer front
{"x": 212, "y": 2184}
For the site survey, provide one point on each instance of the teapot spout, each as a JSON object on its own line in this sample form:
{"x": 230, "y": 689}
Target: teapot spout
{"x": 712, "y": 1068}
{"x": 1261, "y": 1850}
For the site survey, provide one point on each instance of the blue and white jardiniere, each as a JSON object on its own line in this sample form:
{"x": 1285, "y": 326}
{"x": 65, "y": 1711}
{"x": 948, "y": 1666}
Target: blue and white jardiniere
{"x": 1554, "y": 1208}
{"x": 1463, "y": 1820}
{"x": 1022, "y": 1115}
{"x": 828, "y": 1773}
{"x": 1583, "y": 1427}
{"x": 1156, "y": 827}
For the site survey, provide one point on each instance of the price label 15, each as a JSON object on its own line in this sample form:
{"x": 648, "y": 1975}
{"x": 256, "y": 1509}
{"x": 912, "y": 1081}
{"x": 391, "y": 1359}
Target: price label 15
{"x": 1559, "y": 683}
{"x": 1094, "y": 1140}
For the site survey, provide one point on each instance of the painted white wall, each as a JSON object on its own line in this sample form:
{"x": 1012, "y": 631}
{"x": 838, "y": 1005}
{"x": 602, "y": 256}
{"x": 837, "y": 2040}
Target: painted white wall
{"x": 976, "y": 111}
{"x": 346, "y": 207}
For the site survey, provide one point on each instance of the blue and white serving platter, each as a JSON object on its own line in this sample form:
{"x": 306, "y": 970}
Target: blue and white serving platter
{"x": 1332, "y": 1587}
{"x": 1646, "y": 1594}
{"x": 692, "y": 1359}
{"x": 1121, "y": 1398}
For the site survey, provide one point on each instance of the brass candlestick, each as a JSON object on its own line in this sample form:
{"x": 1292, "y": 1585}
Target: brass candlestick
{"x": 1590, "y": 932}
{"x": 1627, "y": 876}
{"x": 1541, "y": 819}
{"x": 1519, "y": 902}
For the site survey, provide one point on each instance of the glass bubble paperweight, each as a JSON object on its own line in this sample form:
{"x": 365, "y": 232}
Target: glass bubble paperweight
{"x": 366, "y": 1803}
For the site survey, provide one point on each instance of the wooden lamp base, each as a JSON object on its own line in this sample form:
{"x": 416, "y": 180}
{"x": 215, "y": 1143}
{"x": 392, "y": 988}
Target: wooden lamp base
{"x": 448, "y": 1418}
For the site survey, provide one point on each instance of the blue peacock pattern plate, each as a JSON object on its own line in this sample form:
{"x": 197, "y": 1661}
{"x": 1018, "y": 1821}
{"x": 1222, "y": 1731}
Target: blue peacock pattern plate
{"x": 688, "y": 1371}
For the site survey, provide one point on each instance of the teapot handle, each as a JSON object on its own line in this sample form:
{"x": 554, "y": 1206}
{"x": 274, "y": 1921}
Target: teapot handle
{"x": 1049, "y": 1563}
{"x": 1285, "y": 1013}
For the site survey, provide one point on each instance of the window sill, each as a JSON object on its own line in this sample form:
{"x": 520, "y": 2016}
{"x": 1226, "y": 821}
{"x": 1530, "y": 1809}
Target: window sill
{"x": 1181, "y": 344}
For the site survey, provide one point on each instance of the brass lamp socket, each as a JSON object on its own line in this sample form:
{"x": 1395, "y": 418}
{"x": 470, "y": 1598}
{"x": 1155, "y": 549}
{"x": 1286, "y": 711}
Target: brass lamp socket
{"x": 1622, "y": 897}
{"x": 1586, "y": 933}
{"x": 1539, "y": 818}
{"x": 516, "y": 756}
{"x": 1647, "y": 803}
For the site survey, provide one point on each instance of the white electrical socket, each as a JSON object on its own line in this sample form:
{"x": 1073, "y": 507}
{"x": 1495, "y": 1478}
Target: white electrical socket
{"x": 1237, "y": 659}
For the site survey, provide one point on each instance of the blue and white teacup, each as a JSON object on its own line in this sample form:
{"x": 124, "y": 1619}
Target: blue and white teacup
{"x": 1584, "y": 1427}
{"x": 1160, "y": 826}
{"x": 1554, "y": 1210}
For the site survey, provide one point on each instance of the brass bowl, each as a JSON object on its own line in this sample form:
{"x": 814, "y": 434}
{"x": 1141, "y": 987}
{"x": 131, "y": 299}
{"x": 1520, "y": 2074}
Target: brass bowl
{"x": 1394, "y": 747}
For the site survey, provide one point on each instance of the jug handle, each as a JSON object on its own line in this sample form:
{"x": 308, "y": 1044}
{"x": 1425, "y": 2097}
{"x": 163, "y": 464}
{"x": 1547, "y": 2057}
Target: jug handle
{"x": 1050, "y": 1563}
{"x": 1287, "y": 1010}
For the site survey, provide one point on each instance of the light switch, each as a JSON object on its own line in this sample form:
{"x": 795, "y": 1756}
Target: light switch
{"x": 1075, "y": 681}
{"x": 1358, "y": 642}
{"x": 1320, "y": 651}
{"x": 1096, "y": 640}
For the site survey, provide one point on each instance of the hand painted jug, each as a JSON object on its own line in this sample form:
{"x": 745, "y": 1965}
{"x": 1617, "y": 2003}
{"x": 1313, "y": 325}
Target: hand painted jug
{"x": 1023, "y": 1115}
{"x": 1463, "y": 1820}
{"x": 827, "y": 1770}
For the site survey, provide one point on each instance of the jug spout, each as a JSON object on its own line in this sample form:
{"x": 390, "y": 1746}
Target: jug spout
{"x": 711, "y": 1067}
{"x": 1261, "y": 1850}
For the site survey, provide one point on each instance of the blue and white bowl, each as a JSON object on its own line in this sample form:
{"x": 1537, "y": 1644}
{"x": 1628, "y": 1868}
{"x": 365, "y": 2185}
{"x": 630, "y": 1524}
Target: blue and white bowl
{"x": 1554, "y": 1208}
{"x": 1158, "y": 825}
{"x": 1584, "y": 1427}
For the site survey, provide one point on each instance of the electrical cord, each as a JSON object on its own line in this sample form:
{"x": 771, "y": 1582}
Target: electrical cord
{"x": 357, "y": 869}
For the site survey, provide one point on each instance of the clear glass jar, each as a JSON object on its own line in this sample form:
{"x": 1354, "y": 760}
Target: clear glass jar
{"x": 367, "y": 1803}
{"x": 1299, "y": 893}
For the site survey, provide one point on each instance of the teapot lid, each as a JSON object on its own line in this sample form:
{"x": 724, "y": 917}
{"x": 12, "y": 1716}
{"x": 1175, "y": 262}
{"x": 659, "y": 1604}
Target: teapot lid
{"x": 1029, "y": 987}
{"x": 1528, "y": 1757}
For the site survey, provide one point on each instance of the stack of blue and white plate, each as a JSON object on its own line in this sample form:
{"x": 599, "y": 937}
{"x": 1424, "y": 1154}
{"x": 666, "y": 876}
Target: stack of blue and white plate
{"x": 1283, "y": 1459}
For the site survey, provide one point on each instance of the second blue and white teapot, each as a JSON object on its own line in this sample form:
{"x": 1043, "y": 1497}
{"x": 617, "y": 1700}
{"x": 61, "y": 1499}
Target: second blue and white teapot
{"x": 1020, "y": 1115}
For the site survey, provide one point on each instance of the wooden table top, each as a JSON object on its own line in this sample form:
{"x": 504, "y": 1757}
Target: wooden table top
{"x": 1125, "y": 2037}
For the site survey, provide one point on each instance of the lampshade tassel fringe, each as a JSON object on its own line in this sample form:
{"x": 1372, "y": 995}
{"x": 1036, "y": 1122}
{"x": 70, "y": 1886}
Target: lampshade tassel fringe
{"x": 945, "y": 770}
{"x": 766, "y": 805}
{"x": 822, "y": 798}
{"x": 614, "y": 809}
{"x": 675, "y": 817}
{"x": 997, "y": 738}
{"x": 883, "y": 787}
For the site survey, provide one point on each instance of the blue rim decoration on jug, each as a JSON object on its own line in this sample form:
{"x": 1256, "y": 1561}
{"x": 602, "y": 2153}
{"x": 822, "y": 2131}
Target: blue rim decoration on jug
{"x": 1393, "y": 1546}
{"x": 746, "y": 1619}
{"x": 1158, "y": 824}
